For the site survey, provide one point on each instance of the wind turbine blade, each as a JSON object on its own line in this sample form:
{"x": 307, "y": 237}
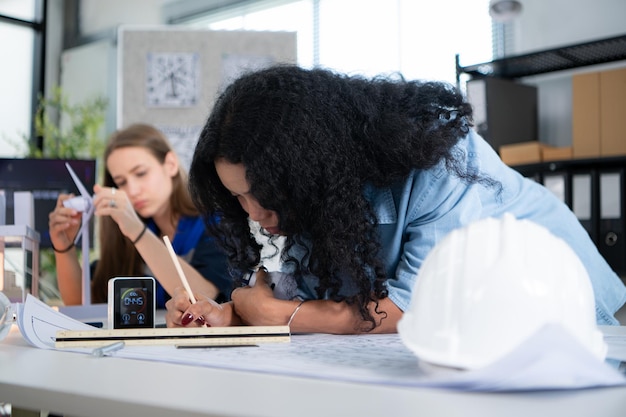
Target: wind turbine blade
{"x": 83, "y": 227}
{"x": 88, "y": 201}
{"x": 78, "y": 182}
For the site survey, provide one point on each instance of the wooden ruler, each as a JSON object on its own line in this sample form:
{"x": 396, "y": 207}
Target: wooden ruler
{"x": 196, "y": 336}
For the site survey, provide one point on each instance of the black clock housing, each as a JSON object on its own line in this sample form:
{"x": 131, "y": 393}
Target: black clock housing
{"x": 131, "y": 303}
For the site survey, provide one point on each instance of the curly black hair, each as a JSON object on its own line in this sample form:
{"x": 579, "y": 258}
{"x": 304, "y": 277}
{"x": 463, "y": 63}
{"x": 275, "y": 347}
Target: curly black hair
{"x": 310, "y": 141}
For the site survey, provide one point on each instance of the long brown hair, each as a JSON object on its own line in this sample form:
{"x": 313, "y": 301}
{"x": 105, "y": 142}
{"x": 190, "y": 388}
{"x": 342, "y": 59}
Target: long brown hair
{"x": 118, "y": 256}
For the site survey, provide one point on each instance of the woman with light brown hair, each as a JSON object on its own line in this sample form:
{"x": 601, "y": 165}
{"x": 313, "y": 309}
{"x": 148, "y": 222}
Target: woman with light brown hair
{"x": 144, "y": 197}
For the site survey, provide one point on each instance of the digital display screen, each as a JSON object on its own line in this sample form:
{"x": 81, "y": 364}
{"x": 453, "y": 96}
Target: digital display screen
{"x": 133, "y": 301}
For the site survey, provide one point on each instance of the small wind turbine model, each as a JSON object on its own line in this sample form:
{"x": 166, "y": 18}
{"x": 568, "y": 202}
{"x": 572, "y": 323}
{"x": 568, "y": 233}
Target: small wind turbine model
{"x": 83, "y": 204}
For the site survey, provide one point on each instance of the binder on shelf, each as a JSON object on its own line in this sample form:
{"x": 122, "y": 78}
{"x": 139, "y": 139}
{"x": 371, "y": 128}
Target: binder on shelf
{"x": 612, "y": 231}
{"x": 595, "y": 190}
{"x": 582, "y": 201}
{"x": 557, "y": 184}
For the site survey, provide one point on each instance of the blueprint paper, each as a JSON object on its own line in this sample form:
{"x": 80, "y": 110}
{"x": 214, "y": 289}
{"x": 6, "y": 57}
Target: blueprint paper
{"x": 546, "y": 362}
{"x": 39, "y": 323}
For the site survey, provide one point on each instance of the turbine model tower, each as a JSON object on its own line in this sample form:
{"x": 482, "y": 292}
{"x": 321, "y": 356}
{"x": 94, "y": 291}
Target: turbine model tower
{"x": 83, "y": 204}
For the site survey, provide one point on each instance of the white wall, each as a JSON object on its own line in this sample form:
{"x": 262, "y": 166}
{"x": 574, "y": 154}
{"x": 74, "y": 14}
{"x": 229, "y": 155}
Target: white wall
{"x": 97, "y": 16}
{"x": 546, "y": 24}
{"x": 100, "y": 80}
{"x": 90, "y": 70}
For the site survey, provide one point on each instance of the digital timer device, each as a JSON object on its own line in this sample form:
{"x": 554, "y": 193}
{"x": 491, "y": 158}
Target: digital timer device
{"x": 131, "y": 303}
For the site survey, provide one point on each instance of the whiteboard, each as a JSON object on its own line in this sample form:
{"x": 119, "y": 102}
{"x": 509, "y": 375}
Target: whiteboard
{"x": 170, "y": 77}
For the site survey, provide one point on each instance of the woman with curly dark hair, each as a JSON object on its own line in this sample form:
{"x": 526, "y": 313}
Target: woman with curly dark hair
{"x": 361, "y": 177}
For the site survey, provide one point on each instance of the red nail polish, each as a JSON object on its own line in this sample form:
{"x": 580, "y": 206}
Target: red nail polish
{"x": 187, "y": 318}
{"x": 201, "y": 320}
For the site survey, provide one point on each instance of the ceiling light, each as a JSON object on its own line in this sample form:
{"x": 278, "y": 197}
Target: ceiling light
{"x": 504, "y": 10}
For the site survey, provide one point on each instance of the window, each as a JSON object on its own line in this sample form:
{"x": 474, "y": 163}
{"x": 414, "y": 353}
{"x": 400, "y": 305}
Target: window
{"x": 418, "y": 39}
{"x": 19, "y": 9}
{"x": 20, "y": 81}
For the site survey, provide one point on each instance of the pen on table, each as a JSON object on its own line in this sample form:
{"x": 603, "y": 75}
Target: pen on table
{"x": 108, "y": 349}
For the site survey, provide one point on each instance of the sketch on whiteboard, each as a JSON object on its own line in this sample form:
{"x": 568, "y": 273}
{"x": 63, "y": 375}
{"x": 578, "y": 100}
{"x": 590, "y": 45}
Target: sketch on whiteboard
{"x": 183, "y": 140}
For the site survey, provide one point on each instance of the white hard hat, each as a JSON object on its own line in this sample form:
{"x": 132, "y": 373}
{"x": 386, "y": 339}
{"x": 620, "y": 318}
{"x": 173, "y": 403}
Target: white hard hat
{"x": 487, "y": 287}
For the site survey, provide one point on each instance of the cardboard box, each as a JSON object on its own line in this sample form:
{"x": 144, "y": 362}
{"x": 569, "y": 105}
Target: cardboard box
{"x": 522, "y": 153}
{"x": 556, "y": 153}
{"x": 613, "y": 112}
{"x": 586, "y": 115}
{"x": 533, "y": 152}
{"x": 599, "y": 114}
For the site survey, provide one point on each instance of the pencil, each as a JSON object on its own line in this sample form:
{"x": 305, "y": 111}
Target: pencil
{"x": 179, "y": 269}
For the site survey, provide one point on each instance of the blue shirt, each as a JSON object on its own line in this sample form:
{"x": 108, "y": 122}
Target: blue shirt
{"x": 416, "y": 214}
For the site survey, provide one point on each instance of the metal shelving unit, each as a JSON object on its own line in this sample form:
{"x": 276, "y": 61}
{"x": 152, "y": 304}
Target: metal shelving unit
{"x": 608, "y": 233}
{"x": 557, "y": 59}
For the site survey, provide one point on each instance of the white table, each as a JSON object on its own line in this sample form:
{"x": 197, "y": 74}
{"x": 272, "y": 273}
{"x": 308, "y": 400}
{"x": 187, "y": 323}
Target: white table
{"x": 82, "y": 385}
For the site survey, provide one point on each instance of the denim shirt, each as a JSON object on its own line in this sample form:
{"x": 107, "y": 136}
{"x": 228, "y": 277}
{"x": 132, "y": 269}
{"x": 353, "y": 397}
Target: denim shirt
{"x": 416, "y": 214}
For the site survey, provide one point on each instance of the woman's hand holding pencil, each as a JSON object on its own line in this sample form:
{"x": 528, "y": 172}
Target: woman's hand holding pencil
{"x": 183, "y": 278}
